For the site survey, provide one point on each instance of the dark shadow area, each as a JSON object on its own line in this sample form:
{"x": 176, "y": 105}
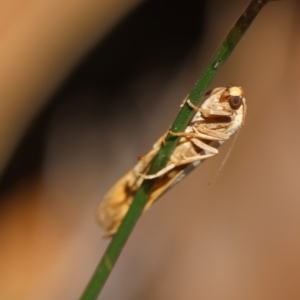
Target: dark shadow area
{"x": 158, "y": 34}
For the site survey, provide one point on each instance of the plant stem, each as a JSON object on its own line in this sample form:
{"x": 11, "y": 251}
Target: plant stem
{"x": 182, "y": 120}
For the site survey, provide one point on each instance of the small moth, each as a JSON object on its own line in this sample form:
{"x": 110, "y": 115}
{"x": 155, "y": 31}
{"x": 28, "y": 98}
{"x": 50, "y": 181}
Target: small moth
{"x": 220, "y": 116}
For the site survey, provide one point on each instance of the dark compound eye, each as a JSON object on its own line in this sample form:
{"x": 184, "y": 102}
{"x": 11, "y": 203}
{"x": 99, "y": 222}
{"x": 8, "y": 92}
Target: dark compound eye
{"x": 235, "y": 102}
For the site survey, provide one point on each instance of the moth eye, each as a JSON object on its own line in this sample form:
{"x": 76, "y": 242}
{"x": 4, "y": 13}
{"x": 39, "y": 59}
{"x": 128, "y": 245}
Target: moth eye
{"x": 235, "y": 102}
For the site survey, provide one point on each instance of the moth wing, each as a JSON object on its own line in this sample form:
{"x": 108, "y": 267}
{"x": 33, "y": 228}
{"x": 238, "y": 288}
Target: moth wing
{"x": 164, "y": 183}
{"x": 118, "y": 199}
{"x": 115, "y": 203}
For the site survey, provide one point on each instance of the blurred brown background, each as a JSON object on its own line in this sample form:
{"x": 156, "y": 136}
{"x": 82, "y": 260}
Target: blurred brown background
{"x": 85, "y": 88}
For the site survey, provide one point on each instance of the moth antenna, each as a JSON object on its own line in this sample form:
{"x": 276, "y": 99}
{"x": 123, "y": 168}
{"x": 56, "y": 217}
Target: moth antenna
{"x": 225, "y": 158}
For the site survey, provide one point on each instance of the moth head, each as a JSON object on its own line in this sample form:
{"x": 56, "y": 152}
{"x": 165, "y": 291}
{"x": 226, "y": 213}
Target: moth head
{"x": 234, "y": 95}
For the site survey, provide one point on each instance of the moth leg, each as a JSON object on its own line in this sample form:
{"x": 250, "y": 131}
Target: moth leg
{"x": 194, "y": 138}
{"x": 209, "y": 112}
{"x": 187, "y": 135}
{"x": 209, "y": 134}
{"x": 150, "y": 154}
{"x": 188, "y": 160}
{"x": 163, "y": 138}
{"x": 203, "y": 111}
{"x": 180, "y": 162}
{"x": 184, "y": 100}
{"x": 155, "y": 148}
{"x": 160, "y": 173}
{"x": 204, "y": 146}
{"x": 198, "y": 134}
{"x": 211, "y": 126}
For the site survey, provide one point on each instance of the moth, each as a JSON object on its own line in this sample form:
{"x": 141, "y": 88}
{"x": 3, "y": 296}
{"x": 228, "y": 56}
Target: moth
{"x": 219, "y": 117}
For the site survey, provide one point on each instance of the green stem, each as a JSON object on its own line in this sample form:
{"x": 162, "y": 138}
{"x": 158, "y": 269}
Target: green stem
{"x": 183, "y": 118}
